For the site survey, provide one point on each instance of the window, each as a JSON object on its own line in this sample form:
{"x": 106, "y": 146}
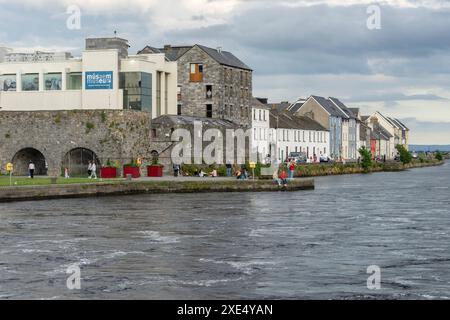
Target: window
{"x": 255, "y": 134}
{"x": 30, "y": 82}
{"x": 260, "y": 115}
{"x": 137, "y": 90}
{"x": 74, "y": 81}
{"x": 209, "y": 92}
{"x": 209, "y": 111}
{"x": 53, "y": 81}
{"x": 196, "y": 72}
{"x": 179, "y": 93}
{"x": 265, "y": 116}
{"x": 8, "y": 82}
{"x": 310, "y": 140}
{"x": 179, "y": 110}
{"x": 153, "y": 133}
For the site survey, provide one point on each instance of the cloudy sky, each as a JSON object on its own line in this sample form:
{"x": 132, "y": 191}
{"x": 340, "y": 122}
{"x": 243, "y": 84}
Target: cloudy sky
{"x": 296, "y": 47}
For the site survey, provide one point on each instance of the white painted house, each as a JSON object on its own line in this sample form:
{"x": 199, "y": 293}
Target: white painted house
{"x": 292, "y": 133}
{"x": 260, "y": 130}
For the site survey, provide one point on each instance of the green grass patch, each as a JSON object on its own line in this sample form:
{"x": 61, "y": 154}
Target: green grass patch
{"x": 42, "y": 181}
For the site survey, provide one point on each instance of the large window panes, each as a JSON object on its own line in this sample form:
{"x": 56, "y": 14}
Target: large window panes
{"x": 74, "y": 81}
{"x": 53, "y": 81}
{"x": 8, "y": 82}
{"x": 30, "y": 82}
{"x": 137, "y": 90}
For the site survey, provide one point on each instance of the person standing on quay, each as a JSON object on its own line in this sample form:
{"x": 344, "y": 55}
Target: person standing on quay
{"x": 93, "y": 171}
{"x": 291, "y": 169}
{"x": 89, "y": 170}
{"x": 229, "y": 167}
{"x": 31, "y": 168}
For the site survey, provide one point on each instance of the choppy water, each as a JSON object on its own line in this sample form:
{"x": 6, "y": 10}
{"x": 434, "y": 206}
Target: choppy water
{"x": 314, "y": 244}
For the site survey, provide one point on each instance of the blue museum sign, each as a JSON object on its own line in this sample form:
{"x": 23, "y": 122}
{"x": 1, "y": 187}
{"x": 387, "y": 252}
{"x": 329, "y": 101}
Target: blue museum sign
{"x": 97, "y": 80}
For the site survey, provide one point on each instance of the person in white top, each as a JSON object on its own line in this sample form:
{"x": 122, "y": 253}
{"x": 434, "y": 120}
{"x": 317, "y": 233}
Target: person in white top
{"x": 31, "y": 169}
{"x": 93, "y": 171}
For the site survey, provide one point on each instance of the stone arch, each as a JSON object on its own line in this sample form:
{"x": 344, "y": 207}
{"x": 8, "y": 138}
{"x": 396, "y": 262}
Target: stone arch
{"x": 22, "y": 158}
{"x": 77, "y": 161}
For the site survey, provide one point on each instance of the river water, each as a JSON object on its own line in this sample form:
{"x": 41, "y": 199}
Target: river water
{"x": 301, "y": 245}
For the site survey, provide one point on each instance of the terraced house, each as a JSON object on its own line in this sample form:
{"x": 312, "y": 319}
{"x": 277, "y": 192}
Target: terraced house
{"x": 212, "y": 83}
{"x": 327, "y": 114}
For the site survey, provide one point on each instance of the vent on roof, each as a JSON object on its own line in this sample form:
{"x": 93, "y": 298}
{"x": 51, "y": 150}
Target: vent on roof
{"x": 219, "y": 49}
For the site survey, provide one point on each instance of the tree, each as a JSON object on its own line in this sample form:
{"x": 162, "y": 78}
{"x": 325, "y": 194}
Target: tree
{"x": 439, "y": 156}
{"x": 405, "y": 156}
{"x": 366, "y": 158}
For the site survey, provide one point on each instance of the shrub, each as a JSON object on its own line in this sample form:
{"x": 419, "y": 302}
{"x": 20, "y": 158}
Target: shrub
{"x": 366, "y": 158}
{"x": 439, "y": 156}
{"x": 89, "y": 127}
{"x": 405, "y": 156}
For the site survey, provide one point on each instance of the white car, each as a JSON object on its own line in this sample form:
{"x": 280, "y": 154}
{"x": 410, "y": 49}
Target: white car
{"x": 324, "y": 158}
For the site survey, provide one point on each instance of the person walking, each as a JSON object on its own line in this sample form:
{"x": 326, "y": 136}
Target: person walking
{"x": 229, "y": 167}
{"x": 66, "y": 173}
{"x": 176, "y": 170}
{"x": 93, "y": 171}
{"x": 31, "y": 169}
{"x": 89, "y": 170}
{"x": 291, "y": 169}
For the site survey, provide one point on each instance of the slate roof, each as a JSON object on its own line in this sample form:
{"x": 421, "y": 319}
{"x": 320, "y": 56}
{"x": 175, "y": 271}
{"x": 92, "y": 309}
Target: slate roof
{"x": 225, "y": 58}
{"x": 258, "y": 104}
{"x": 344, "y": 108}
{"x": 287, "y": 120}
{"x": 382, "y": 132}
{"x": 330, "y": 107}
{"x": 296, "y": 106}
{"x": 282, "y": 106}
{"x": 398, "y": 123}
{"x": 173, "y": 53}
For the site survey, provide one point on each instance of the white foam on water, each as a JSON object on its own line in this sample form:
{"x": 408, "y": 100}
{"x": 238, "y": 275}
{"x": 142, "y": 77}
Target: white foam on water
{"x": 117, "y": 254}
{"x": 157, "y": 237}
{"x": 245, "y": 267}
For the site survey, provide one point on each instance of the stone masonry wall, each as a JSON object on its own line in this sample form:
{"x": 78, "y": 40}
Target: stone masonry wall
{"x": 231, "y": 97}
{"x": 114, "y": 135}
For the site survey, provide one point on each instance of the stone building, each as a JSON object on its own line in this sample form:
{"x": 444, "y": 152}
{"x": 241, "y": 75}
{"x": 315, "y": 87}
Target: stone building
{"x": 212, "y": 83}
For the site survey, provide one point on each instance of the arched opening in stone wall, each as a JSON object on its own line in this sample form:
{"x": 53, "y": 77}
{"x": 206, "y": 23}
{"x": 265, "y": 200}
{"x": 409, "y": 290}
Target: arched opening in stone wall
{"x": 21, "y": 162}
{"x": 77, "y": 161}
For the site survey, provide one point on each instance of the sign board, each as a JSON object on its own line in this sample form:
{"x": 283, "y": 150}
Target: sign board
{"x": 9, "y": 167}
{"x": 252, "y": 165}
{"x": 99, "y": 80}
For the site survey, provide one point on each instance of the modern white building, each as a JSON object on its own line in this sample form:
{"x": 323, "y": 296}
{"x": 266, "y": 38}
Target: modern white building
{"x": 104, "y": 77}
{"x": 3, "y": 52}
{"x": 291, "y": 133}
{"x": 260, "y": 130}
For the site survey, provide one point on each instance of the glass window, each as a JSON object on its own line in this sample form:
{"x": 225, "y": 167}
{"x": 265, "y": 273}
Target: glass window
{"x": 30, "y": 82}
{"x": 74, "y": 81}
{"x": 8, "y": 82}
{"x": 137, "y": 90}
{"x": 53, "y": 81}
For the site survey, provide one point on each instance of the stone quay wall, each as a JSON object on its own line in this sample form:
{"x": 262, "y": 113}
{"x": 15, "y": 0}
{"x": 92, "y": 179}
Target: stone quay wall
{"x": 118, "y": 136}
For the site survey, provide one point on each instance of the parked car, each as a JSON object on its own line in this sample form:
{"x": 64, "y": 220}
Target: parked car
{"x": 414, "y": 155}
{"x": 324, "y": 158}
{"x": 397, "y": 157}
{"x": 298, "y": 157}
